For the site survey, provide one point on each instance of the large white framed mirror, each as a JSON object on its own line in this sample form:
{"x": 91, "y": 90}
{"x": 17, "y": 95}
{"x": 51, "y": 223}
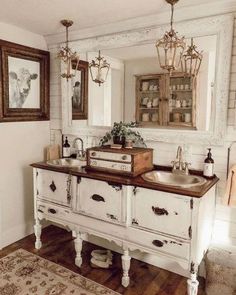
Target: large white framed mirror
{"x": 133, "y": 55}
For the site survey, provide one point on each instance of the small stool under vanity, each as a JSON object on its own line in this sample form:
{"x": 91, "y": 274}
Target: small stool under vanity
{"x": 172, "y": 222}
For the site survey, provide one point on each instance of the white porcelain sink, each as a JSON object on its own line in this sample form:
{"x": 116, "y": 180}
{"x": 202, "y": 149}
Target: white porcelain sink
{"x": 171, "y": 179}
{"x": 67, "y": 162}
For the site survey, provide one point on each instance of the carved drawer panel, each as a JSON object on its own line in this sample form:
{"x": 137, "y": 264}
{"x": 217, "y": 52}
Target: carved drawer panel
{"x": 162, "y": 212}
{"x": 54, "y": 187}
{"x": 160, "y": 243}
{"x": 99, "y": 199}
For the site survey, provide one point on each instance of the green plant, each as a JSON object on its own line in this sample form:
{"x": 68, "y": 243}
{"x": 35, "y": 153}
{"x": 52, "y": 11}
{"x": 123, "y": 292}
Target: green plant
{"x": 123, "y": 130}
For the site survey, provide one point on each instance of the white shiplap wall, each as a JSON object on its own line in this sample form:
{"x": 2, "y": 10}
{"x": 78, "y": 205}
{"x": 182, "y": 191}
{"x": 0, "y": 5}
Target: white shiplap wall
{"x": 225, "y": 221}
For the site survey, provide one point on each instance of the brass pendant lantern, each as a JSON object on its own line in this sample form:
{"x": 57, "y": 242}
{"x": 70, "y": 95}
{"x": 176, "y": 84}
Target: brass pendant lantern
{"x": 67, "y": 55}
{"x": 170, "y": 47}
{"x": 191, "y": 61}
{"x": 99, "y": 69}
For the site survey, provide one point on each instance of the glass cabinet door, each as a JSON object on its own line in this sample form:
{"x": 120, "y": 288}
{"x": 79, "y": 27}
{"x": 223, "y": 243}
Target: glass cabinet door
{"x": 149, "y": 92}
{"x": 163, "y": 100}
{"x": 181, "y": 97}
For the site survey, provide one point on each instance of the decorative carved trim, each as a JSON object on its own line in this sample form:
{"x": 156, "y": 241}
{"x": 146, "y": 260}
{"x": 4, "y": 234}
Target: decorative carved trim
{"x": 222, "y": 26}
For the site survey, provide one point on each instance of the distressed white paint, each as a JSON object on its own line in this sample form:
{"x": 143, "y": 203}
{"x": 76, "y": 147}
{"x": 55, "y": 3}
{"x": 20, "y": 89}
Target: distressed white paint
{"x": 181, "y": 236}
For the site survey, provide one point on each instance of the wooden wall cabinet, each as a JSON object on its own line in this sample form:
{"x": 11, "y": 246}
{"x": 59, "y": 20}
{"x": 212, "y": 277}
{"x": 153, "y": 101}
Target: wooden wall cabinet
{"x": 164, "y": 100}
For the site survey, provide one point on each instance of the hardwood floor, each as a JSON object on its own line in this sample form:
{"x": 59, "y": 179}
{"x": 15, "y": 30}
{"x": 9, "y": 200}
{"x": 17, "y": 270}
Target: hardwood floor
{"x": 146, "y": 279}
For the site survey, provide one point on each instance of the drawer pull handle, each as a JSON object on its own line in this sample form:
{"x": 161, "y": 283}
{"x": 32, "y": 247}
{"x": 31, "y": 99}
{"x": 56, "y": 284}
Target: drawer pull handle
{"x": 40, "y": 210}
{"x": 93, "y": 154}
{"x": 52, "y": 211}
{"x": 111, "y": 216}
{"x": 158, "y": 243}
{"x": 97, "y": 198}
{"x": 124, "y": 157}
{"x": 159, "y": 211}
{"x": 53, "y": 186}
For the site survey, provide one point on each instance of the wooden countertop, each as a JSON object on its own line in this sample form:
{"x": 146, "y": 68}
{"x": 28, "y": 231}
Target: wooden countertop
{"x": 197, "y": 191}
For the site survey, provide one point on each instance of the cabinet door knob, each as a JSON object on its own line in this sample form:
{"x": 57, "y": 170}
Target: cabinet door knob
{"x": 53, "y": 186}
{"x": 52, "y": 211}
{"x": 159, "y": 211}
{"x": 158, "y": 243}
{"x": 97, "y": 198}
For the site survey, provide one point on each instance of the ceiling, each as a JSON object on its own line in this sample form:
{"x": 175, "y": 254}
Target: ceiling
{"x": 43, "y": 17}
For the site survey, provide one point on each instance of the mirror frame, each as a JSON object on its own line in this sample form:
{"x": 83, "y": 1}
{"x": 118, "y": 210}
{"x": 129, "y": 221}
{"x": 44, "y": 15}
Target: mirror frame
{"x": 221, "y": 26}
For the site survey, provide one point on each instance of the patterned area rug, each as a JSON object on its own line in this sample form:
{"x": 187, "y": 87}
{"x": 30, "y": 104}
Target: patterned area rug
{"x": 23, "y": 273}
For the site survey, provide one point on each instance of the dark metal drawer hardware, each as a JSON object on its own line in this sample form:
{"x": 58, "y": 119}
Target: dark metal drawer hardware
{"x": 116, "y": 186}
{"x": 78, "y": 179}
{"x": 158, "y": 243}
{"x": 135, "y": 190}
{"x": 159, "y": 211}
{"x": 40, "y": 210}
{"x": 190, "y": 232}
{"x": 134, "y": 221}
{"x": 98, "y": 198}
{"x": 68, "y": 189}
{"x": 111, "y": 216}
{"x": 52, "y": 211}
{"x": 53, "y": 186}
{"x": 191, "y": 204}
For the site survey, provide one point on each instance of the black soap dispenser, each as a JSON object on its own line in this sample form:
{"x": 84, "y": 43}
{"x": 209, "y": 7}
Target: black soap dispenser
{"x": 208, "y": 170}
{"x": 66, "y": 149}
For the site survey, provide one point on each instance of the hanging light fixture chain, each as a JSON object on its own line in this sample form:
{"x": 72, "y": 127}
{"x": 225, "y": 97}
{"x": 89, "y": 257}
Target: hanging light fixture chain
{"x": 172, "y": 17}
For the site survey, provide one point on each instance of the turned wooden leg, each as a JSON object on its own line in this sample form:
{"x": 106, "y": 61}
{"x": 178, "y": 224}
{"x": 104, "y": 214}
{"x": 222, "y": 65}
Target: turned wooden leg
{"x": 192, "y": 284}
{"x": 78, "y": 249}
{"x": 37, "y": 232}
{"x": 125, "y": 265}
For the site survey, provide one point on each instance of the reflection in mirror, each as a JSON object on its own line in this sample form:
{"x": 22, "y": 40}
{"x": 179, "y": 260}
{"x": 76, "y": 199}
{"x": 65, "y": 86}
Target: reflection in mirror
{"x": 137, "y": 89}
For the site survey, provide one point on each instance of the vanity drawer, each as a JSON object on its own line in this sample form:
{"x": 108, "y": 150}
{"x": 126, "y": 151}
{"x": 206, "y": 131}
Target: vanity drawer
{"x": 54, "y": 187}
{"x": 110, "y": 156}
{"x": 161, "y": 243}
{"x": 99, "y": 199}
{"x": 100, "y": 164}
{"x": 163, "y": 212}
{"x": 53, "y": 211}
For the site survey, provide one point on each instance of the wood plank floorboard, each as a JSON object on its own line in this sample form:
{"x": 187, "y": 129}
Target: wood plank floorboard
{"x": 58, "y": 246}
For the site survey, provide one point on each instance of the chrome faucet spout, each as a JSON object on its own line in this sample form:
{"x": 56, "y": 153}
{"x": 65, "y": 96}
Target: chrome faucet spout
{"x": 179, "y": 166}
{"x": 80, "y": 152}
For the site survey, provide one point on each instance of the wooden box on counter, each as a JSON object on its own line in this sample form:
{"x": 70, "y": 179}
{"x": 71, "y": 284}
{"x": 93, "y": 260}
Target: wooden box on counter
{"x": 130, "y": 162}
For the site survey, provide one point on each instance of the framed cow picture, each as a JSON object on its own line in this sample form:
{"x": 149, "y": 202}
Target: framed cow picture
{"x": 79, "y": 85}
{"x": 24, "y": 83}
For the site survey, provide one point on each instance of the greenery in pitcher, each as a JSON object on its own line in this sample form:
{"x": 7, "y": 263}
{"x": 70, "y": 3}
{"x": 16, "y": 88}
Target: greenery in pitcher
{"x": 123, "y": 131}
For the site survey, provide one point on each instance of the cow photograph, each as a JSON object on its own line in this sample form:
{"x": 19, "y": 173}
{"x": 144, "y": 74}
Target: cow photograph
{"x": 24, "y": 83}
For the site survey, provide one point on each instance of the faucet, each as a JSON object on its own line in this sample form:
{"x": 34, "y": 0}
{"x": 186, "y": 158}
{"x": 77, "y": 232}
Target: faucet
{"x": 179, "y": 166}
{"x": 81, "y": 152}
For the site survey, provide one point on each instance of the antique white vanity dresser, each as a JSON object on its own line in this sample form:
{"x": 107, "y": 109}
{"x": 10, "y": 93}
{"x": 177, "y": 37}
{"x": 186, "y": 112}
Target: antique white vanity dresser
{"x": 173, "y": 223}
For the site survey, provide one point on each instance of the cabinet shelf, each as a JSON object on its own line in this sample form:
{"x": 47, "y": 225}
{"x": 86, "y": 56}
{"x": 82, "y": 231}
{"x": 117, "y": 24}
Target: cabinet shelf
{"x": 149, "y": 91}
{"x": 189, "y": 90}
{"x": 143, "y": 108}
